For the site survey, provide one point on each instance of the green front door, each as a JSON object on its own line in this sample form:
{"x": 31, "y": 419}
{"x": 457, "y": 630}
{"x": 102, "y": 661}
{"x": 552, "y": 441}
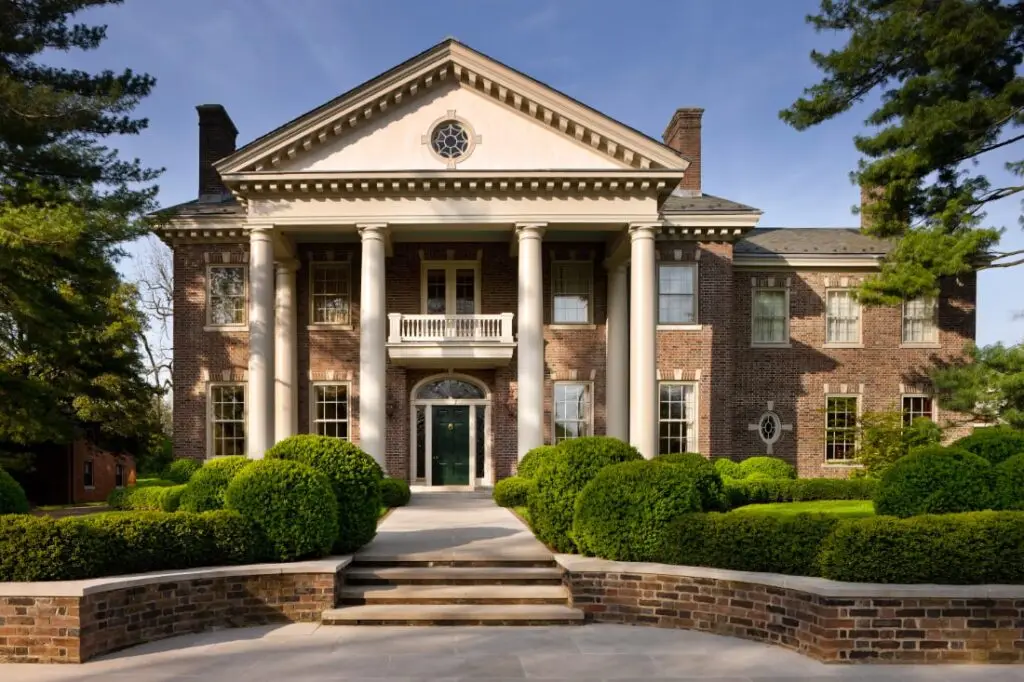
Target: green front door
{"x": 450, "y": 446}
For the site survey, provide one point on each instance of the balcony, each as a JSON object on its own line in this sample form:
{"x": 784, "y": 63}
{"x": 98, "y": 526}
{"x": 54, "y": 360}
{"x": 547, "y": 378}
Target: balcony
{"x": 450, "y": 340}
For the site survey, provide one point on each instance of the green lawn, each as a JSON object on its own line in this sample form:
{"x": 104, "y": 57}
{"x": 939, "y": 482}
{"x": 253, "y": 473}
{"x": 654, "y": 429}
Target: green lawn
{"x": 843, "y": 508}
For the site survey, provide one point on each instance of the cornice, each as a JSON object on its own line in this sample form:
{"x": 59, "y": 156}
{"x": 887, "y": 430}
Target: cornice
{"x": 818, "y": 261}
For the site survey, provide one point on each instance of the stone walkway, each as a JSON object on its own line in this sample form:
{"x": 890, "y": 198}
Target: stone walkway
{"x": 308, "y": 653}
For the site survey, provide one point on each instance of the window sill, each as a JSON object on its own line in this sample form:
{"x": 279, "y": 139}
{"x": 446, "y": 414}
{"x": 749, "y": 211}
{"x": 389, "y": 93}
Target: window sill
{"x": 90, "y": 487}
{"x": 930, "y": 344}
{"x": 329, "y": 327}
{"x": 843, "y": 345}
{"x": 680, "y": 327}
{"x": 787, "y": 344}
{"x": 843, "y": 465}
{"x": 235, "y": 328}
{"x": 572, "y": 327}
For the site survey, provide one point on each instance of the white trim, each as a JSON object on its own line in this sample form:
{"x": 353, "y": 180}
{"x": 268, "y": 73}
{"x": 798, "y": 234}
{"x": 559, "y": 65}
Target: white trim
{"x": 427, "y": 404}
{"x": 210, "y": 385}
{"x": 590, "y": 411}
{"x": 755, "y": 289}
{"x": 313, "y": 404}
{"x": 680, "y": 327}
{"x": 859, "y": 397}
{"x": 694, "y": 266}
{"x": 859, "y": 343}
{"x": 694, "y": 422}
{"x": 757, "y": 261}
{"x": 208, "y": 299}
{"x": 313, "y": 324}
{"x": 555, "y": 264}
{"x": 450, "y": 268}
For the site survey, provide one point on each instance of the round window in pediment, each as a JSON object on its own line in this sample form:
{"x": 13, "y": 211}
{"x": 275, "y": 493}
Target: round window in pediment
{"x": 450, "y": 139}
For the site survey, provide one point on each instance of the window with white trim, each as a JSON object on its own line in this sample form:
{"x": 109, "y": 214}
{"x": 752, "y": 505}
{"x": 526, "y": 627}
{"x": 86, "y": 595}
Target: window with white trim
{"x": 87, "y": 474}
{"x": 227, "y": 419}
{"x": 841, "y": 413}
{"x": 118, "y": 475}
{"x": 919, "y": 321}
{"x": 770, "y": 317}
{"x": 677, "y": 293}
{"x": 226, "y": 295}
{"x": 331, "y": 410}
{"x": 572, "y": 410}
{"x": 915, "y": 407}
{"x": 572, "y": 284}
{"x": 331, "y": 293}
{"x": 677, "y": 417}
{"x": 842, "y": 317}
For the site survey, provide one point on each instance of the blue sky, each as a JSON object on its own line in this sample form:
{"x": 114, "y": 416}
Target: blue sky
{"x": 268, "y": 61}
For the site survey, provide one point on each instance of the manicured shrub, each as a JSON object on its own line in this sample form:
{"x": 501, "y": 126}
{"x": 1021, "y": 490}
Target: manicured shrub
{"x": 1010, "y": 483}
{"x": 951, "y": 549}
{"x": 355, "y": 479}
{"x": 994, "y": 443}
{"x": 531, "y": 462}
{"x": 766, "y": 467}
{"x": 513, "y": 491}
{"x": 559, "y": 482}
{"x": 205, "y": 490}
{"x": 74, "y": 548}
{"x": 619, "y": 512}
{"x": 758, "y": 491}
{"x": 394, "y": 492}
{"x": 12, "y": 496}
{"x": 153, "y": 483}
{"x": 181, "y": 470}
{"x": 744, "y": 542}
{"x": 152, "y": 498}
{"x": 708, "y": 482}
{"x": 727, "y": 468}
{"x": 291, "y": 503}
{"x": 936, "y": 480}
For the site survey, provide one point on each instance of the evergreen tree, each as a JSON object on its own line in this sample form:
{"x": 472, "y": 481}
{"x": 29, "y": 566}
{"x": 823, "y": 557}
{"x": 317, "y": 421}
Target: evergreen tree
{"x": 946, "y": 73}
{"x": 69, "y": 363}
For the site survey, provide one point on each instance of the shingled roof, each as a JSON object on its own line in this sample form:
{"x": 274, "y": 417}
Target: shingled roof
{"x": 224, "y": 205}
{"x": 766, "y": 241}
{"x": 680, "y": 202}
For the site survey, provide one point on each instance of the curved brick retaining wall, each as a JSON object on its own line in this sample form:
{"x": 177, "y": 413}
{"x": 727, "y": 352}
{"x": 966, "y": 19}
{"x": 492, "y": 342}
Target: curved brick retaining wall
{"x": 71, "y": 622}
{"x": 826, "y": 620}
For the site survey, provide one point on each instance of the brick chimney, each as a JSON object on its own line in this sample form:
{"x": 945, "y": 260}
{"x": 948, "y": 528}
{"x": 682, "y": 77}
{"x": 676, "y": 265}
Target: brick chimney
{"x": 217, "y": 134}
{"x": 683, "y": 135}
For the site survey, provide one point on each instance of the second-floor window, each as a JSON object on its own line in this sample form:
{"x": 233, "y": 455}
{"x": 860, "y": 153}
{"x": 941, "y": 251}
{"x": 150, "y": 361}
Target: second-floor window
{"x": 226, "y": 295}
{"x": 572, "y": 410}
{"x": 842, "y": 317}
{"x": 677, "y": 293}
{"x": 331, "y": 293}
{"x": 919, "y": 323}
{"x": 770, "y": 323}
{"x": 571, "y": 292}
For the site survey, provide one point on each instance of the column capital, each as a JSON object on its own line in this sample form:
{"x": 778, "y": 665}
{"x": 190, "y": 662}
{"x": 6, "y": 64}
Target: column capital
{"x": 260, "y": 232}
{"x": 288, "y": 264}
{"x": 530, "y": 230}
{"x": 643, "y": 230}
{"x": 372, "y": 230}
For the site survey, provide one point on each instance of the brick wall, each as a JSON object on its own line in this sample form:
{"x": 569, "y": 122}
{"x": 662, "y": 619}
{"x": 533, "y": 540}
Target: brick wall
{"x": 104, "y": 466}
{"x": 921, "y": 629}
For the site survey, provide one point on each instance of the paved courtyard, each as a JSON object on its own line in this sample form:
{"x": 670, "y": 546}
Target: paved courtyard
{"x": 308, "y": 652}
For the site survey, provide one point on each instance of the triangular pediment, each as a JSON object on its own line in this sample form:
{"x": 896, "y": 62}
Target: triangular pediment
{"x": 515, "y": 123}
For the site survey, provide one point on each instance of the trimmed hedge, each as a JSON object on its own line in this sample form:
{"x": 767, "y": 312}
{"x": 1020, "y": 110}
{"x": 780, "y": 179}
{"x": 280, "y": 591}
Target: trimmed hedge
{"x": 994, "y": 443}
{"x": 766, "y": 467}
{"x": 151, "y": 498}
{"x": 743, "y": 542}
{"x": 79, "y": 547}
{"x": 1010, "y": 483}
{"x": 181, "y": 470}
{"x": 394, "y": 492}
{"x": 12, "y": 496}
{"x": 709, "y": 482}
{"x": 513, "y": 491}
{"x": 952, "y": 549}
{"x": 533, "y": 459}
{"x": 205, "y": 490}
{"x": 764, "y": 491}
{"x": 355, "y": 479}
{"x": 291, "y": 503}
{"x": 620, "y": 511}
{"x": 936, "y": 480}
{"x": 559, "y": 482}
{"x": 727, "y": 468}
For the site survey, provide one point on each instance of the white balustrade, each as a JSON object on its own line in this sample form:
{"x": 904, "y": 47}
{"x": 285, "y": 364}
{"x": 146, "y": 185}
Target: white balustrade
{"x": 450, "y": 328}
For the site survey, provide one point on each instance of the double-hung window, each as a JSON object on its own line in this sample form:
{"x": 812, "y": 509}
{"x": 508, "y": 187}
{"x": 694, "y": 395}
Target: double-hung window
{"x": 677, "y": 417}
{"x": 331, "y": 410}
{"x": 919, "y": 321}
{"x": 331, "y": 293}
{"x": 572, "y": 292}
{"x": 227, "y": 419}
{"x": 842, "y": 317}
{"x": 915, "y": 407}
{"x": 841, "y": 413}
{"x": 677, "y": 293}
{"x": 226, "y": 295}
{"x": 87, "y": 474}
{"x": 770, "y": 317}
{"x": 572, "y": 410}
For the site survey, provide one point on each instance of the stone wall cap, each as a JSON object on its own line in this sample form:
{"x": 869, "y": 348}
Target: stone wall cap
{"x": 81, "y": 588}
{"x": 816, "y": 586}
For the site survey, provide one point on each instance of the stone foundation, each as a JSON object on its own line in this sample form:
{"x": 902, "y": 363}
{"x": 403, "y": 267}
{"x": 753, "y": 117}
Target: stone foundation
{"x": 825, "y": 620}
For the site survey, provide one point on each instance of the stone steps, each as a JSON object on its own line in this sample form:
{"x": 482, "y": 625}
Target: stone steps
{"x": 454, "y": 594}
{"x": 453, "y": 614}
{"x": 360, "y": 574}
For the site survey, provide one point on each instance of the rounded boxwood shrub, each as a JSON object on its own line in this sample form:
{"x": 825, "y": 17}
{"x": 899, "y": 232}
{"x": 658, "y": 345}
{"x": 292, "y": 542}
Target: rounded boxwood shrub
{"x": 354, "y": 476}
{"x": 766, "y": 467}
{"x": 559, "y": 481}
{"x": 394, "y": 492}
{"x": 181, "y": 470}
{"x": 291, "y": 503}
{"x": 727, "y": 468}
{"x": 12, "y": 496}
{"x": 205, "y": 490}
{"x": 152, "y": 498}
{"x": 1010, "y": 483}
{"x": 619, "y": 511}
{"x": 936, "y": 480}
{"x": 709, "y": 482}
{"x": 994, "y": 443}
{"x": 533, "y": 459}
{"x": 513, "y": 491}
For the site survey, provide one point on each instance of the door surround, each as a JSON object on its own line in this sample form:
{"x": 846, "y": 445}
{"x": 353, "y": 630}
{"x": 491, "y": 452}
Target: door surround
{"x": 425, "y": 476}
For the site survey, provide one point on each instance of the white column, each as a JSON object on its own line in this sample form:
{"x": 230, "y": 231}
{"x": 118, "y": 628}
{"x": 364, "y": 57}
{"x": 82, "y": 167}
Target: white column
{"x": 643, "y": 342}
{"x": 260, "y": 428}
{"x": 617, "y": 384}
{"x": 372, "y": 350}
{"x": 530, "y": 348}
{"x": 286, "y": 361}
